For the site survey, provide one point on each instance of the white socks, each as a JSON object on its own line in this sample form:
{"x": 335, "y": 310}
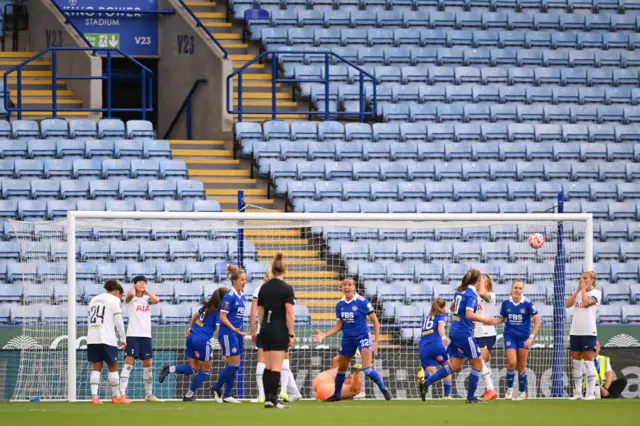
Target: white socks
{"x": 591, "y": 378}
{"x": 94, "y": 381}
{"x": 114, "y": 382}
{"x": 284, "y": 375}
{"x": 577, "y": 378}
{"x": 292, "y": 389}
{"x": 124, "y": 378}
{"x": 486, "y": 376}
{"x": 259, "y": 373}
{"x": 147, "y": 377}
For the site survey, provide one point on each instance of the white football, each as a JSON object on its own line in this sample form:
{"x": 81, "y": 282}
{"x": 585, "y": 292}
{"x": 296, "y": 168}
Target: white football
{"x": 536, "y": 241}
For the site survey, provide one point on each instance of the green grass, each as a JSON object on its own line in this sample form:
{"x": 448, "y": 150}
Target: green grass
{"x": 311, "y": 413}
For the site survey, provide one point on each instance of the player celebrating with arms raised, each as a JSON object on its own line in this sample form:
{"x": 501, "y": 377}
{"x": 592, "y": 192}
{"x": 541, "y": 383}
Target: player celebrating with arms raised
{"x": 105, "y": 316}
{"x": 138, "y": 301}
{"x": 230, "y": 334}
{"x": 198, "y": 344}
{"x": 433, "y": 343}
{"x": 351, "y": 317}
{"x": 517, "y": 313}
{"x": 583, "y": 334}
{"x": 463, "y": 345}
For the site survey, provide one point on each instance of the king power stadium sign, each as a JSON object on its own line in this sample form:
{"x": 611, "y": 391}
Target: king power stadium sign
{"x": 171, "y": 337}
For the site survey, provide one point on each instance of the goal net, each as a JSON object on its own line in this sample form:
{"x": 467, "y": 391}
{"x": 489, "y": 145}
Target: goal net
{"x": 399, "y": 262}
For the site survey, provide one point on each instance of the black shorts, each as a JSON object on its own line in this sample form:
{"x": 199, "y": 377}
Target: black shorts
{"x": 486, "y": 342}
{"x": 274, "y": 338}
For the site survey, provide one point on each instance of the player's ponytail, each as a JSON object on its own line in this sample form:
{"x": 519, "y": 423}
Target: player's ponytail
{"x": 438, "y": 307}
{"x": 470, "y": 278}
{"x": 215, "y": 302}
{"x": 113, "y": 285}
{"x": 234, "y": 273}
{"x": 278, "y": 268}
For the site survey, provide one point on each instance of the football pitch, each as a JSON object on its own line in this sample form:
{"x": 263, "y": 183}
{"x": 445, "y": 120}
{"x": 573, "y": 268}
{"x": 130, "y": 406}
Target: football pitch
{"x": 311, "y": 413}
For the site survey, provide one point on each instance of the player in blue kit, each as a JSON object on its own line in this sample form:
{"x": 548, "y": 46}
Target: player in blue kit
{"x": 517, "y": 314}
{"x": 230, "y": 335}
{"x": 463, "y": 345}
{"x": 198, "y": 344}
{"x": 351, "y": 317}
{"x": 433, "y": 346}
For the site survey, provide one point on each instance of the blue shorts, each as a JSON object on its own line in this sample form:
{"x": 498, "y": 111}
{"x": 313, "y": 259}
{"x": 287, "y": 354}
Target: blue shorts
{"x": 582, "y": 343}
{"x": 102, "y": 353}
{"x": 514, "y": 342}
{"x": 258, "y": 341}
{"x": 232, "y": 344}
{"x": 197, "y": 347}
{"x": 433, "y": 354}
{"x": 486, "y": 342}
{"x": 139, "y": 347}
{"x": 463, "y": 347}
{"x": 350, "y": 345}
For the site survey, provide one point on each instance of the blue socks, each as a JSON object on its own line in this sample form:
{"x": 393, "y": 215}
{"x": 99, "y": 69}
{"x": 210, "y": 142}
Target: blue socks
{"x": 474, "y": 377}
{"x": 198, "y": 380}
{"x": 447, "y": 388}
{"x": 185, "y": 369}
{"x": 440, "y": 374}
{"x": 339, "y": 382}
{"x": 227, "y": 378}
{"x": 511, "y": 375}
{"x": 373, "y": 375}
{"x": 522, "y": 382}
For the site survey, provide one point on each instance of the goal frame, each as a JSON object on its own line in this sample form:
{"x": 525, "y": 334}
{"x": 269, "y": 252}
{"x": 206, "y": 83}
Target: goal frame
{"x": 586, "y": 218}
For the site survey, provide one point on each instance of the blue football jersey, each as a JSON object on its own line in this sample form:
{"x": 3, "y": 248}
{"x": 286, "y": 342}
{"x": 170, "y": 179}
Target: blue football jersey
{"x": 354, "y": 316}
{"x": 205, "y": 325}
{"x": 430, "y": 329}
{"x": 460, "y": 325}
{"x": 233, "y": 305}
{"x": 518, "y": 317}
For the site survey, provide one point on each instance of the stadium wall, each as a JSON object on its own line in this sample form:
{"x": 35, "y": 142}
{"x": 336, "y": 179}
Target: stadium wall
{"x": 306, "y": 364}
{"x": 186, "y": 55}
{"x": 47, "y": 28}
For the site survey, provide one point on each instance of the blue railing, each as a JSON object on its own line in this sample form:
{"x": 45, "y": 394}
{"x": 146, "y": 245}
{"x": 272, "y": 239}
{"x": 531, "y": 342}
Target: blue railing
{"x": 146, "y": 81}
{"x": 206, "y": 30}
{"x": 70, "y": 22}
{"x": 186, "y": 104}
{"x": 362, "y": 114}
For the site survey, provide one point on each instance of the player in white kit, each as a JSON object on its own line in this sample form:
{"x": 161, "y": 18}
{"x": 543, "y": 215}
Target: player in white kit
{"x": 484, "y": 334}
{"x": 138, "y": 306}
{"x": 583, "y": 334}
{"x": 104, "y": 317}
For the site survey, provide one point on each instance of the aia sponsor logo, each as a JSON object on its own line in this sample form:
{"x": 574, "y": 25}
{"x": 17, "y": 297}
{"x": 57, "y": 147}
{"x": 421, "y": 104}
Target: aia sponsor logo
{"x": 142, "y": 308}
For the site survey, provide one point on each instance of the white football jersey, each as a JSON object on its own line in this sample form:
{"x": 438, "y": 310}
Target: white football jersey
{"x": 139, "y": 314}
{"x": 584, "y": 319}
{"x": 487, "y": 309}
{"x": 256, "y": 292}
{"x": 103, "y": 310}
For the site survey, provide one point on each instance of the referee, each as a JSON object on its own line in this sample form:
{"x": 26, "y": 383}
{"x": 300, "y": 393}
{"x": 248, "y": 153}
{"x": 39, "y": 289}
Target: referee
{"x": 276, "y": 318}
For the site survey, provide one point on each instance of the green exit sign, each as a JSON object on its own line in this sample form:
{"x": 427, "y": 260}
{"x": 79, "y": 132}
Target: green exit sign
{"x": 103, "y": 40}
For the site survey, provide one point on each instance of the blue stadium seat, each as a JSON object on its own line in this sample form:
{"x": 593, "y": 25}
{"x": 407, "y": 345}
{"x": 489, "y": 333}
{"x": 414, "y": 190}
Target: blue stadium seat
{"x": 41, "y": 148}
{"x": 140, "y": 129}
{"x": 28, "y": 169}
{"x": 54, "y": 128}
{"x": 25, "y": 129}
{"x": 111, "y": 128}
{"x": 45, "y": 189}
{"x": 104, "y": 189}
{"x": 156, "y": 149}
{"x": 70, "y": 149}
{"x": 54, "y": 169}
{"x": 82, "y": 129}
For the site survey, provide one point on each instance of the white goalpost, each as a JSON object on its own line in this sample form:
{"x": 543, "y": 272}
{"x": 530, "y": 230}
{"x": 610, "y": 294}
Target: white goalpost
{"x": 400, "y": 262}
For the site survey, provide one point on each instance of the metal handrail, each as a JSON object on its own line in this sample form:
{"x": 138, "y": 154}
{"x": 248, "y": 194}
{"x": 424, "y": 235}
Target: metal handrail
{"x": 206, "y": 30}
{"x": 70, "y": 22}
{"x": 146, "y": 76}
{"x": 185, "y": 104}
{"x": 326, "y": 81}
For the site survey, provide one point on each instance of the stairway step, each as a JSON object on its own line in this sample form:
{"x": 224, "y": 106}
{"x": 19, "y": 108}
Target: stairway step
{"x": 210, "y": 161}
{"x": 33, "y": 101}
{"x": 227, "y": 36}
{"x": 202, "y": 152}
{"x": 257, "y": 103}
{"x": 318, "y": 295}
{"x": 243, "y": 57}
{"x": 36, "y": 63}
{"x": 234, "y": 192}
{"x": 254, "y": 77}
{"x": 285, "y": 242}
{"x": 200, "y": 3}
{"x": 319, "y": 303}
{"x": 261, "y": 95}
{"x": 211, "y": 24}
{"x": 322, "y": 316}
{"x": 255, "y": 66}
{"x": 220, "y": 183}
{"x": 289, "y": 253}
{"x": 186, "y": 142}
{"x": 50, "y": 114}
{"x": 17, "y": 54}
{"x": 218, "y": 172}
{"x": 235, "y": 45}
{"x": 210, "y": 15}
{"x": 43, "y": 93}
{"x": 35, "y": 74}
{"x": 254, "y": 85}
{"x": 272, "y": 232}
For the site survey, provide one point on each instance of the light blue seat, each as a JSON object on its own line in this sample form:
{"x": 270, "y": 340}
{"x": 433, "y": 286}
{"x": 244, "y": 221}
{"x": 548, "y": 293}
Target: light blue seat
{"x": 370, "y": 271}
{"x": 21, "y": 129}
{"x": 302, "y": 170}
{"x": 82, "y": 129}
{"x": 354, "y": 251}
{"x": 155, "y": 149}
{"x": 45, "y": 189}
{"x": 111, "y": 128}
{"x": 124, "y": 250}
{"x": 153, "y": 250}
{"x": 609, "y": 314}
{"x": 142, "y": 205}
{"x": 384, "y": 190}
{"x": 130, "y": 188}
{"x": 57, "y": 209}
{"x": 28, "y": 169}
{"x": 178, "y": 205}
{"x": 35, "y": 210}
{"x": 140, "y": 129}
{"x": 104, "y": 189}
{"x": 161, "y": 189}
{"x": 13, "y": 148}
{"x": 169, "y": 169}
{"x": 94, "y": 250}
{"x": 328, "y": 190}
{"x": 200, "y": 271}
